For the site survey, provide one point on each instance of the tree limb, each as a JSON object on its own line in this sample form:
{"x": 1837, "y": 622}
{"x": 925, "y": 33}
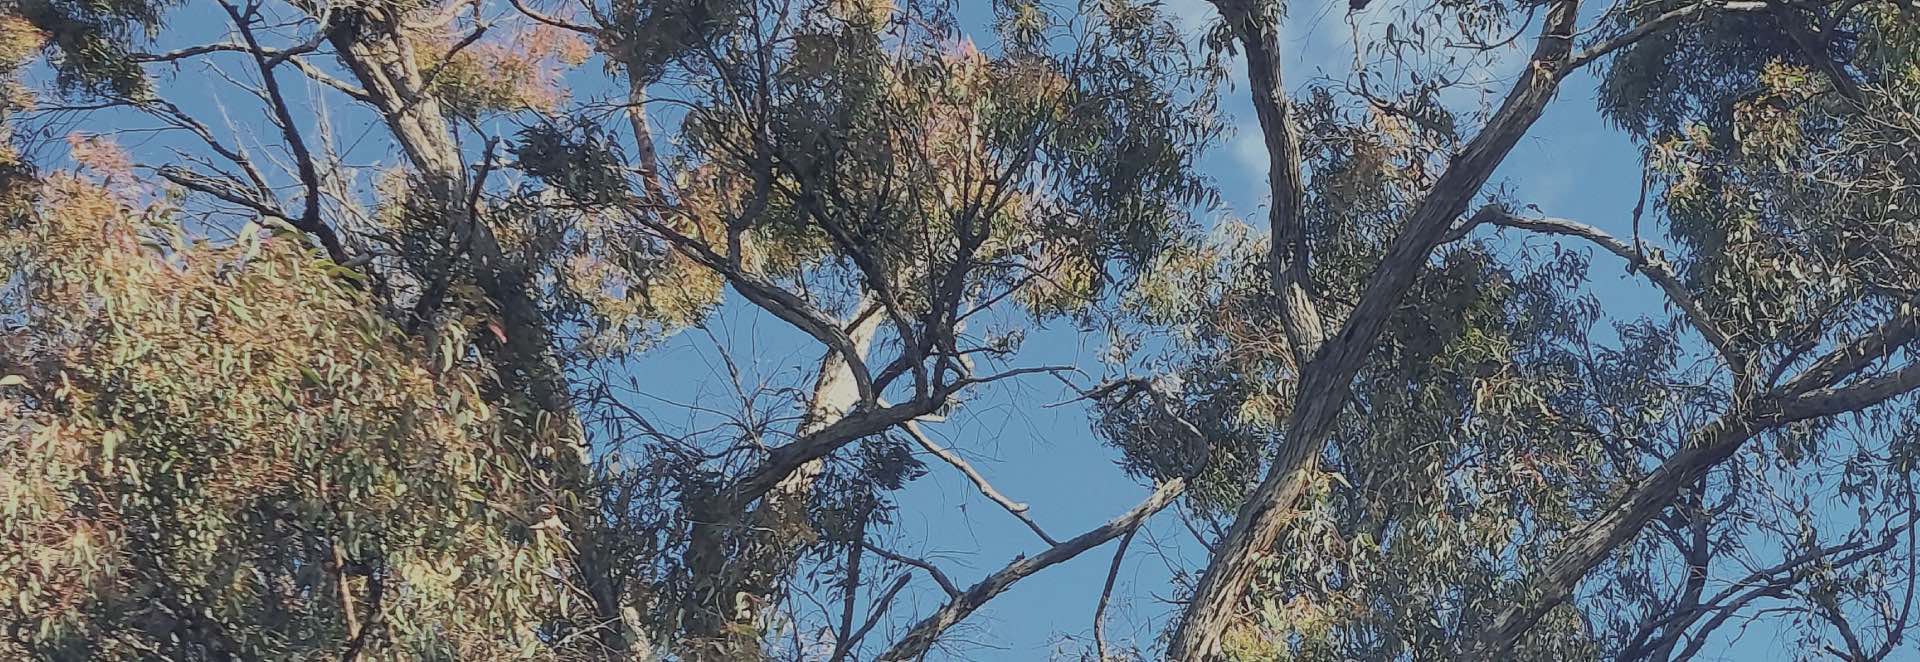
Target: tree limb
{"x": 932, "y": 570}
{"x": 1326, "y": 383}
{"x": 1106, "y": 594}
{"x": 1017, "y": 509}
{"x": 919, "y": 639}
{"x": 1712, "y": 445}
{"x": 1655, "y": 269}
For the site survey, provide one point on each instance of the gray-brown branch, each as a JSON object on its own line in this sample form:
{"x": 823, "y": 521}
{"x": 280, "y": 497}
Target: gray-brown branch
{"x": 1654, "y": 268}
{"x": 918, "y": 640}
{"x": 1584, "y": 549}
{"x": 1327, "y": 380}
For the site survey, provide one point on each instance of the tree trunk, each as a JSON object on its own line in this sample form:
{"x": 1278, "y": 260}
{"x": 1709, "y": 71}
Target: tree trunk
{"x": 1327, "y": 379}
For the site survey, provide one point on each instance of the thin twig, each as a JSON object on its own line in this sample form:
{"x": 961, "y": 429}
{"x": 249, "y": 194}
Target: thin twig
{"x": 1106, "y": 595}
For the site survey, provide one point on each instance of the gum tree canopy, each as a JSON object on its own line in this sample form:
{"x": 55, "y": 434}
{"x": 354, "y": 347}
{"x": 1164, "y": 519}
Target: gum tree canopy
{"x": 368, "y": 329}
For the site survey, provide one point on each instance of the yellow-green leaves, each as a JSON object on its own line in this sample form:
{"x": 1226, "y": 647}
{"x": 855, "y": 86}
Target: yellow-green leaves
{"x": 226, "y": 417}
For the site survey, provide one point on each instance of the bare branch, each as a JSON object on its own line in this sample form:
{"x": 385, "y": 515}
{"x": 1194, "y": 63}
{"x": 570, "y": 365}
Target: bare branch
{"x": 220, "y": 189}
{"x": 921, "y": 637}
{"x": 1654, "y": 268}
{"x": 1653, "y": 26}
{"x": 880, "y": 606}
{"x": 818, "y": 444}
{"x": 549, "y": 19}
{"x": 932, "y": 570}
{"x": 1017, "y": 509}
{"x": 1773, "y": 581}
{"x": 1852, "y": 397}
{"x": 1106, "y": 594}
{"x": 772, "y": 298}
{"x": 309, "y": 220}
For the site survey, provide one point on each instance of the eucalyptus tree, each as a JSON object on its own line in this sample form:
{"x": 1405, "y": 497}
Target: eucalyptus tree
{"x": 1772, "y": 139}
{"x": 856, "y": 170}
{"x": 264, "y": 399}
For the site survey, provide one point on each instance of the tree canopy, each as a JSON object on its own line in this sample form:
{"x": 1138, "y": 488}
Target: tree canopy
{"x": 346, "y": 329}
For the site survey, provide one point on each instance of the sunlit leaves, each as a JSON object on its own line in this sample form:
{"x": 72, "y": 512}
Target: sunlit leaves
{"x": 228, "y": 451}
{"x": 478, "y": 73}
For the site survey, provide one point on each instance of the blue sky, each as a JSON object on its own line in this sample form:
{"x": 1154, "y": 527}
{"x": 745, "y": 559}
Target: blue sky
{"x": 1572, "y": 165}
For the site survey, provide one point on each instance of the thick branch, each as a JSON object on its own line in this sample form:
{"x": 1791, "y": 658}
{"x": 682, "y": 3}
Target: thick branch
{"x": 1585, "y": 548}
{"x": 1818, "y": 50}
{"x": 1289, "y": 254}
{"x": 1327, "y": 380}
{"x": 818, "y": 444}
{"x": 1849, "y": 359}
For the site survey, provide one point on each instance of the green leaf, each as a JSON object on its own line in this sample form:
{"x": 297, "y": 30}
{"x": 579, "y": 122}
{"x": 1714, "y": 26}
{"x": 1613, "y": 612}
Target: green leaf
{"x": 110, "y": 441}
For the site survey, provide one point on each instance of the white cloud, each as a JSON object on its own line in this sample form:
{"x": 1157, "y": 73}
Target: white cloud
{"x": 1247, "y": 150}
{"x": 1191, "y": 15}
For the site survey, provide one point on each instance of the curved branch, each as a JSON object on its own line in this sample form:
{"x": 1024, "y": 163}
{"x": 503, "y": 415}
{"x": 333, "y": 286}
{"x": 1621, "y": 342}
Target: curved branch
{"x": 1654, "y": 268}
{"x": 1017, "y": 509}
{"x": 921, "y": 637}
{"x": 932, "y": 570}
{"x": 1106, "y": 595}
{"x": 1652, "y": 26}
{"x": 772, "y": 298}
{"x": 1709, "y": 447}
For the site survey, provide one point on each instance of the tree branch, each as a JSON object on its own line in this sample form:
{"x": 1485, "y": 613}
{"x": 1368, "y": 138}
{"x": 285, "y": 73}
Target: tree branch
{"x": 1289, "y": 255}
{"x": 309, "y": 219}
{"x": 1654, "y": 268}
{"x": 1326, "y": 383}
{"x": 1017, "y": 509}
{"x": 1878, "y": 343}
{"x": 1712, "y": 445}
{"x": 932, "y": 570}
{"x": 1651, "y": 26}
{"x": 918, "y": 640}
{"x": 1106, "y": 594}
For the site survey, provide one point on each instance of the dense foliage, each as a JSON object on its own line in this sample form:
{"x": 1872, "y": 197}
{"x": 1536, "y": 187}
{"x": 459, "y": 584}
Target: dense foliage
{"x": 361, "y": 358}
